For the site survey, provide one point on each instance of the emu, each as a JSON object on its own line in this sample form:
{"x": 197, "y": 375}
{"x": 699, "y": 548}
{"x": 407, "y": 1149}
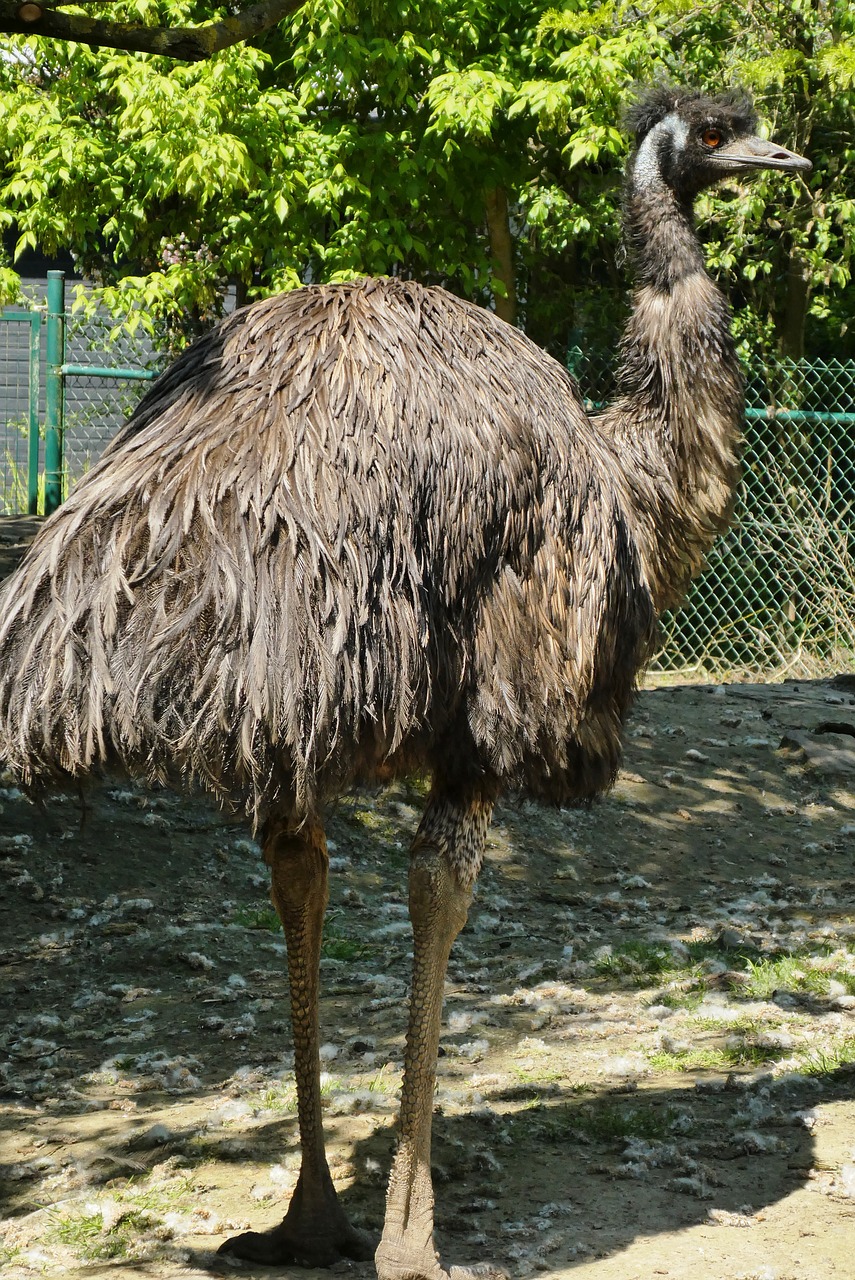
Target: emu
{"x": 362, "y": 529}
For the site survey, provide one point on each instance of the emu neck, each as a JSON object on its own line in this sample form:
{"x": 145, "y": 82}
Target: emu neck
{"x": 678, "y": 412}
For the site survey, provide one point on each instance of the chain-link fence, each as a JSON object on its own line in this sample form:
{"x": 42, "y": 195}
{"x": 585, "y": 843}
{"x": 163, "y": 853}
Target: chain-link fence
{"x": 97, "y": 404}
{"x": 19, "y": 379}
{"x": 778, "y": 592}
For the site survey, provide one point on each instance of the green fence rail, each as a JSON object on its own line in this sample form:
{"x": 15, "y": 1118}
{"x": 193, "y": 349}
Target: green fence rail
{"x": 778, "y": 593}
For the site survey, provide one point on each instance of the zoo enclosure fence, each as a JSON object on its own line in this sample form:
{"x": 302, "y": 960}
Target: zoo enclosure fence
{"x": 63, "y": 394}
{"x": 778, "y": 593}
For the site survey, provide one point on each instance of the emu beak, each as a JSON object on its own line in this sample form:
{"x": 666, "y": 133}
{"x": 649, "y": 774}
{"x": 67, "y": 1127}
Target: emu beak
{"x": 756, "y": 153}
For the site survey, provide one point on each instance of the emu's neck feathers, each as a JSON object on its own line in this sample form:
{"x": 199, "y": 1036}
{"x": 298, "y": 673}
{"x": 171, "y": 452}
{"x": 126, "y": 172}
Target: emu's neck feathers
{"x": 678, "y": 411}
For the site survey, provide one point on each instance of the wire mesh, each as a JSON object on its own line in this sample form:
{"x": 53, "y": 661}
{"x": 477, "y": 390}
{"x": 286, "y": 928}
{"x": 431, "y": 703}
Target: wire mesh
{"x": 95, "y": 406}
{"x": 18, "y": 386}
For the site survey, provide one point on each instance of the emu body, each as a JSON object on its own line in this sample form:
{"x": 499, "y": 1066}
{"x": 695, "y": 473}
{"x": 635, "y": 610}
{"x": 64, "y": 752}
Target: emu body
{"x": 363, "y": 528}
{"x": 353, "y": 529}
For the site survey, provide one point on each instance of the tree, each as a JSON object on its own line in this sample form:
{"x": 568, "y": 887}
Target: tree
{"x": 476, "y": 143}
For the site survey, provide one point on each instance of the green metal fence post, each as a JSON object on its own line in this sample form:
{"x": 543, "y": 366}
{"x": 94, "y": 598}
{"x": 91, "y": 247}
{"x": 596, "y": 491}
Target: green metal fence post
{"x": 55, "y": 353}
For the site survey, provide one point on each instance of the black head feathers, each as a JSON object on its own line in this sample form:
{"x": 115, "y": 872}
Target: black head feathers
{"x": 653, "y": 104}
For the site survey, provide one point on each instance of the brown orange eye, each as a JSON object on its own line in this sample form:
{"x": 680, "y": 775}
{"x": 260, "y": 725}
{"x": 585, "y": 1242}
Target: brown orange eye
{"x": 711, "y": 138}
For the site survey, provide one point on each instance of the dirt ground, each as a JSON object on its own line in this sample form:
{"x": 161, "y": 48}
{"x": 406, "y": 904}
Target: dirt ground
{"x": 647, "y": 1067}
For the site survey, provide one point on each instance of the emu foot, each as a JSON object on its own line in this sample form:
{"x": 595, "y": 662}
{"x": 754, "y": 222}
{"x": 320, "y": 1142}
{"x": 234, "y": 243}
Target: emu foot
{"x": 319, "y": 1245}
{"x": 397, "y": 1263}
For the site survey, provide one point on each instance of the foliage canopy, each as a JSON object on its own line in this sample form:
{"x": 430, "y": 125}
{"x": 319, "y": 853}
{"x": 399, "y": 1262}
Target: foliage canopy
{"x": 476, "y": 143}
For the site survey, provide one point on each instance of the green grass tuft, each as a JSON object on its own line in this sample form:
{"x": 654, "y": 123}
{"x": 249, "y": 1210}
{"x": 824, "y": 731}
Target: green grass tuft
{"x": 839, "y": 1054}
{"x": 258, "y": 918}
{"x": 608, "y": 1122}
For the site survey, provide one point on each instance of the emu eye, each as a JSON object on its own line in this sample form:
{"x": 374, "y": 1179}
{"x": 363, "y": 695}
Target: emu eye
{"x": 712, "y": 138}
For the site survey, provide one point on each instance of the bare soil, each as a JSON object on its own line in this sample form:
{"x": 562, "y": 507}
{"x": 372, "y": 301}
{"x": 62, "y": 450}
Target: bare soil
{"x": 648, "y": 1062}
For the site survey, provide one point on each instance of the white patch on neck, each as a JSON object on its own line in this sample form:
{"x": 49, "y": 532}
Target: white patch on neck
{"x": 645, "y": 171}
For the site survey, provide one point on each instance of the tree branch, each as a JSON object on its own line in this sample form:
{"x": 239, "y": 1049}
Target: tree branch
{"x": 189, "y": 44}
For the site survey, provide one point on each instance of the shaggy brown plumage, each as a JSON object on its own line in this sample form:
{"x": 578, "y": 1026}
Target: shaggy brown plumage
{"x": 363, "y": 527}
{"x": 355, "y": 527}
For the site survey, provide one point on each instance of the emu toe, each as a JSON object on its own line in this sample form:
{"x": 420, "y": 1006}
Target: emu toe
{"x": 396, "y": 1261}
{"x": 285, "y": 1246}
{"x": 482, "y": 1271}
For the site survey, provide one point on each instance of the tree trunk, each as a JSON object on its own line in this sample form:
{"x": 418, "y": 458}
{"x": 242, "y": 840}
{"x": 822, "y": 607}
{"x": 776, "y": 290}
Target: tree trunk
{"x": 795, "y": 312}
{"x": 502, "y": 250}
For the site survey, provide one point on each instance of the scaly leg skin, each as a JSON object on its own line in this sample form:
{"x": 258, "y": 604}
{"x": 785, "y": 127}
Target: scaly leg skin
{"x": 315, "y": 1230}
{"x": 445, "y": 860}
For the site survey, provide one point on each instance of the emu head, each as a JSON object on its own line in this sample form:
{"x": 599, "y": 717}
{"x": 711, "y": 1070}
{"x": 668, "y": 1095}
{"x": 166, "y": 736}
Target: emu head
{"x": 687, "y": 141}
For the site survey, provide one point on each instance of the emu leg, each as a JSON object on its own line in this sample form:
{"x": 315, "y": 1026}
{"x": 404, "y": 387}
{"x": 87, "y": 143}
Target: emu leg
{"x": 315, "y": 1230}
{"x": 445, "y": 860}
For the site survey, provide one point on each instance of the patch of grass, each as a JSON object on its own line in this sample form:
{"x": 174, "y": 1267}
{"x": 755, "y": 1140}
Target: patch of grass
{"x": 258, "y": 918}
{"x": 784, "y": 973}
{"x": 126, "y": 1062}
{"x": 689, "y": 1060}
{"x": 161, "y": 1198}
{"x": 820, "y": 1062}
{"x": 369, "y": 819}
{"x": 685, "y": 999}
{"x": 645, "y": 963}
{"x": 808, "y": 971}
{"x": 337, "y": 944}
{"x": 88, "y": 1237}
{"x": 546, "y": 1075}
{"x": 412, "y": 789}
{"x": 280, "y": 1097}
{"x": 744, "y": 1027}
{"x": 607, "y": 1122}
{"x": 342, "y": 948}
{"x": 738, "y": 1052}
{"x": 701, "y": 949}
{"x": 91, "y": 1241}
{"x": 202, "y": 1147}
{"x": 386, "y": 1080}
{"x": 640, "y": 962}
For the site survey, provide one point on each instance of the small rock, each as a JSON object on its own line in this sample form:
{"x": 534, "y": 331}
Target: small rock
{"x": 731, "y": 940}
{"x": 659, "y": 1012}
{"x": 784, "y": 1000}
